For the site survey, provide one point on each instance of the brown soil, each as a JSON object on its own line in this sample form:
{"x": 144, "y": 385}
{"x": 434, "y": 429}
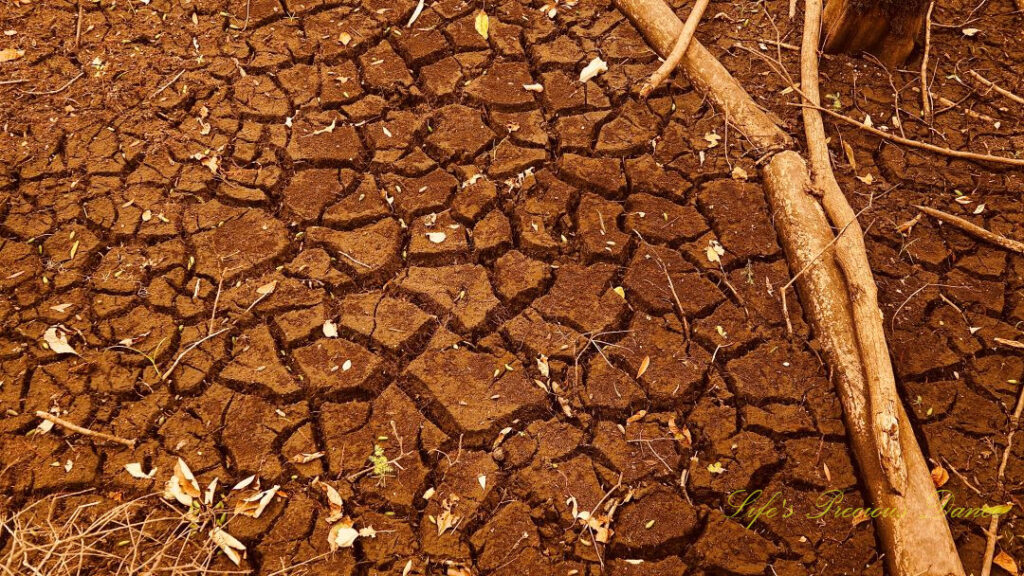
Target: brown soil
{"x": 210, "y": 148}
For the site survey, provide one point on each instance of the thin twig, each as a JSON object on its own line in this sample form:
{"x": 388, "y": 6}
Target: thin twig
{"x": 974, "y": 156}
{"x": 926, "y": 105}
{"x": 682, "y": 43}
{"x": 84, "y": 431}
{"x": 58, "y": 90}
{"x": 191, "y": 347}
{"x": 78, "y": 24}
{"x": 974, "y": 229}
{"x": 168, "y": 85}
{"x": 997, "y": 88}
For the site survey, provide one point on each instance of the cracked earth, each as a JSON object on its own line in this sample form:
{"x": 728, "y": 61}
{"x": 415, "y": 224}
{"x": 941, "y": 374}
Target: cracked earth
{"x": 531, "y": 314}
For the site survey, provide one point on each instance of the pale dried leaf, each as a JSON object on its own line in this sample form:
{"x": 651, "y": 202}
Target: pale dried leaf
{"x": 1006, "y": 562}
{"x": 135, "y": 469}
{"x": 228, "y": 544}
{"x": 58, "y": 341}
{"x": 1010, "y": 343}
{"x": 330, "y": 329}
{"x": 644, "y": 365}
{"x": 482, "y": 24}
{"x": 342, "y": 535}
{"x": 436, "y": 237}
{"x": 591, "y": 70}
{"x": 9, "y": 54}
{"x": 267, "y": 288}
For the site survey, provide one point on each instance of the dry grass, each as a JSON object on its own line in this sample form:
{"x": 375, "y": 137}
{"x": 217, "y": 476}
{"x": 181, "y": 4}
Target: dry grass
{"x": 58, "y": 536}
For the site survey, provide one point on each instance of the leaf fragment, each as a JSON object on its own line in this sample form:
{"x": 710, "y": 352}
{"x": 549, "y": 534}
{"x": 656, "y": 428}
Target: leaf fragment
{"x": 482, "y": 24}
{"x": 10, "y": 54}
{"x": 330, "y": 329}
{"x": 228, "y": 544}
{"x": 644, "y": 365}
{"x": 596, "y": 66}
{"x": 135, "y": 469}
{"x": 58, "y": 341}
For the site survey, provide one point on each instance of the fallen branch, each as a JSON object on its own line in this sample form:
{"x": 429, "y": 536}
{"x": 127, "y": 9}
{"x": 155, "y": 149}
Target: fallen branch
{"x": 851, "y": 255}
{"x": 918, "y": 546}
{"x": 84, "y": 431}
{"x": 974, "y": 229}
{"x": 660, "y": 26}
{"x": 926, "y": 104}
{"x": 992, "y": 85}
{"x": 993, "y": 525}
{"x": 672, "y": 62}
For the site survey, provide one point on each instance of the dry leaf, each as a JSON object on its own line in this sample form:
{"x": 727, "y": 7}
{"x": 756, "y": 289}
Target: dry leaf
{"x": 307, "y": 457}
{"x": 334, "y": 501}
{"x": 716, "y": 468}
{"x": 1006, "y": 562}
{"x": 58, "y": 341}
{"x": 342, "y": 534}
{"x": 970, "y": 32}
{"x": 533, "y": 88}
{"x": 644, "y": 365}
{"x": 415, "y": 14}
{"x": 244, "y": 483}
{"x": 267, "y": 288}
{"x": 739, "y": 173}
{"x": 446, "y": 519}
{"x": 1010, "y": 343}
{"x": 867, "y": 179}
{"x": 636, "y": 417}
{"x": 9, "y": 54}
{"x": 436, "y": 237}
{"x": 715, "y": 251}
{"x": 595, "y": 67}
{"x": 482, "y": 24}
{"x": 849, "y": 155}
{"x": 542, "y": 366}
{"x": 135, "y": 469}
{"x": 228, "y": 544}
{"x": 182, "y": 485}
{"x": 255, "y": 504}
{"x": 330, "y": 329}
{"x": 940, "y": 476}
{"x": 712, "y": 139}
{"x": 620, "y": 291}
{"x": 482, "y": 479}
{"x": 345, "y": 38}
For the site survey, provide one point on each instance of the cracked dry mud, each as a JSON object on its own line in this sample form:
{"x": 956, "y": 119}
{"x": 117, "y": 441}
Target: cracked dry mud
{"x": 322, "y": 146}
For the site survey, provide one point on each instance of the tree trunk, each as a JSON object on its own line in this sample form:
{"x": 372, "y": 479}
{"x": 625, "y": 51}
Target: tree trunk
{"x": 886, "y": 28}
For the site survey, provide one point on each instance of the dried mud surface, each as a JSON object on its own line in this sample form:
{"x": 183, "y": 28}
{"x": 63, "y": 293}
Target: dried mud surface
{"x": 203, "y": 150}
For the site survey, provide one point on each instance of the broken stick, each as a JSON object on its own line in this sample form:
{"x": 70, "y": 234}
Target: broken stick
{"x": 974, "y": 229}
{"x": 84, "y": 431}
{"x": 672, "y": 62}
